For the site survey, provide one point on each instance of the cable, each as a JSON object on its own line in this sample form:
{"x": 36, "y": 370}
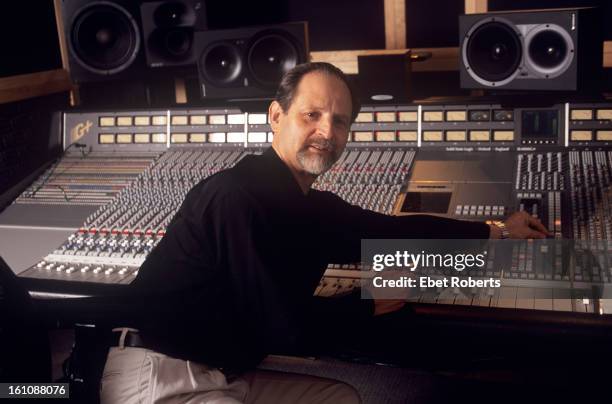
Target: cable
{"x": 52, "y": 169}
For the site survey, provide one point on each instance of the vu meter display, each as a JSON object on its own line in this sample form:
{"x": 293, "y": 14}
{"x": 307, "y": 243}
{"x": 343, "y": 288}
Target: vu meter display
{"x": 540, "y": 124}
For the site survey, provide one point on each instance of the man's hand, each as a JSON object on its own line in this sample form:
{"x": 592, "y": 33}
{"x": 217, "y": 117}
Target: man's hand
{"x": 387, "y": 306}
{"x": 522, "y": 225}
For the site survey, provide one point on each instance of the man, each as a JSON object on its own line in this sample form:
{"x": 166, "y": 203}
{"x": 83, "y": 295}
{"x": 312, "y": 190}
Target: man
{"x": 233, "y": 278}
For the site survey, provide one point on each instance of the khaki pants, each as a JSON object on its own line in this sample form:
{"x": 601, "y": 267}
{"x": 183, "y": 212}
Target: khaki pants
{"x": 138, "y": 375}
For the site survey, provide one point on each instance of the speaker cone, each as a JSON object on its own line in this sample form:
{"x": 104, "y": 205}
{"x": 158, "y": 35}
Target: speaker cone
{"x": 174, "y": 44}
{"x": 493, "y": 51}
{"x": 104, "y": 38}
{"x": 178, "y": 42}
{"x": 270, "y": 57}
{"x": 548, "y": 49}
{"x": 221, "y": 63}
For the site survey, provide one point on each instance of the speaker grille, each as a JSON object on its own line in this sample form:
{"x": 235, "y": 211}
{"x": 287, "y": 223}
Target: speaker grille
{"x": 270, "y": 56}
{"x": 104, "y": 38}
{"x": 548, "y": 49}
{"x": 221, "y": 63}
{"x": 493, "y": 51}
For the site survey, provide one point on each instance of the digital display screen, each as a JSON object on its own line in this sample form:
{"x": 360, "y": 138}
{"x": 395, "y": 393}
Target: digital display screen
{"x": 426, "y": 202}
{"x": 540, "y": 124}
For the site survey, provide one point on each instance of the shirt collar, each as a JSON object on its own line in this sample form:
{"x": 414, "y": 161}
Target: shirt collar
{"x": 278, "y": 174}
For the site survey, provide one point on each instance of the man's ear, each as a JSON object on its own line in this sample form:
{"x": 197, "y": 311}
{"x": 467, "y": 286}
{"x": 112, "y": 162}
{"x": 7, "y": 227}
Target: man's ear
{"x": 274, "y": 115}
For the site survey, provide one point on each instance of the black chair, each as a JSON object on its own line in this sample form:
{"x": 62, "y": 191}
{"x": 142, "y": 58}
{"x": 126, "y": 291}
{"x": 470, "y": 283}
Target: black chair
{"x": 83, "y": 369}
{"x": 25, "y": 355}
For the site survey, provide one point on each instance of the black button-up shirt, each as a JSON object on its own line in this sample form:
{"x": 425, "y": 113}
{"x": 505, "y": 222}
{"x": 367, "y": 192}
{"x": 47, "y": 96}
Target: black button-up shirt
{"x": 233, "y": 278}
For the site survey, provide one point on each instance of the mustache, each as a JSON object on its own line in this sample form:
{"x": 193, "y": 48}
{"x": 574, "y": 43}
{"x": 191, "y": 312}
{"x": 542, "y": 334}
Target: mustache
{"x": 323, "y": 144}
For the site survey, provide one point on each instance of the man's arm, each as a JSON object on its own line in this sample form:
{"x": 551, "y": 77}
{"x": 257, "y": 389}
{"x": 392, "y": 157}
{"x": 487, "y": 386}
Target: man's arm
{"x": 351, "y": 224}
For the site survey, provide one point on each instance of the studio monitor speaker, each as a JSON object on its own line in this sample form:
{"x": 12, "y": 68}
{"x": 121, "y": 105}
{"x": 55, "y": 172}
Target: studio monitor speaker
{"x": 168, "y": 31}
{"x": 248, "y": 62}
{"x": 103, "y": 39}
{"x": 556, "y": 49}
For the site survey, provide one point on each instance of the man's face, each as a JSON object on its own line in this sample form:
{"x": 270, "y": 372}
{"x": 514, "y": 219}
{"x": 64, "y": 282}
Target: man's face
{"x": 312, "y": 134}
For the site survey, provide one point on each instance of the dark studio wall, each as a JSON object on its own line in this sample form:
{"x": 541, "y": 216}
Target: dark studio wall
{"x": 333, "y": 25}
{"x": 27, "y": 136}
{"x": 28, "y": 37}
{"x": 431, "y": 24}
{"x": 28, "y": 44}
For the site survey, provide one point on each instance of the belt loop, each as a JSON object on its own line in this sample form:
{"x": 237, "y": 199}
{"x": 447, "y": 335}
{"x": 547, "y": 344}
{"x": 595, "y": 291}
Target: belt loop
{"x": 124, "y": 331}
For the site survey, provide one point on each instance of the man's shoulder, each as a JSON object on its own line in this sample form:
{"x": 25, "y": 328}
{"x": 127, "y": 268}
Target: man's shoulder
{"x": 221, "y": 184}
{"x": 327, "y": 197}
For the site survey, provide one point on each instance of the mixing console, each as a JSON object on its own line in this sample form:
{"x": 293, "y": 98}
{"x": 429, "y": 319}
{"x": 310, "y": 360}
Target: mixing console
{"x": 474, "y": 162}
